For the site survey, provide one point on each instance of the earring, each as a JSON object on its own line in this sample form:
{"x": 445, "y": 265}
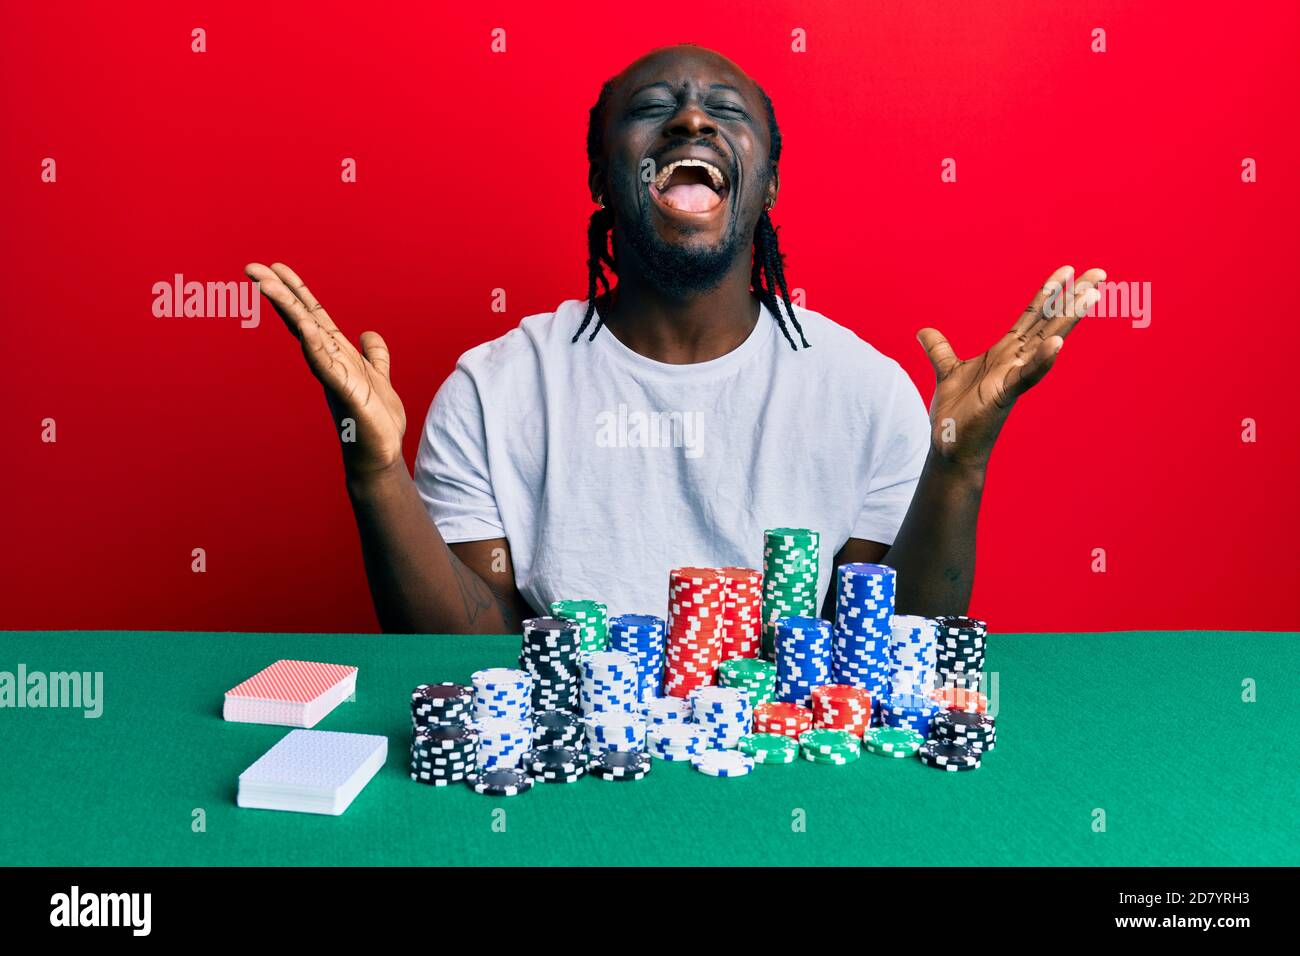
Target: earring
{"x": 601, "y": 201}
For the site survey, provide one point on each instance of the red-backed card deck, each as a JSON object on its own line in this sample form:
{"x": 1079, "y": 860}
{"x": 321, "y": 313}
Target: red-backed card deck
{"x": 290, "y": 694}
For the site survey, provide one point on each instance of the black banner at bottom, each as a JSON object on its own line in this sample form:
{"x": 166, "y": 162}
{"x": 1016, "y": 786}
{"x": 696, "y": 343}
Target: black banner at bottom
{"x": 629, "y": 905}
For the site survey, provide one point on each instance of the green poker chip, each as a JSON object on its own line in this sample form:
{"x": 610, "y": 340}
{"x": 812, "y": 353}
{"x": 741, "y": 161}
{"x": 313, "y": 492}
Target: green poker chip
{"x": 591, "y": 617}
{"x": 769, "y": 748}
{"x": 757, "y": 677}
{"x": 791, "y": 567}
{"x": 829, "y": 743}
{"x": 892, "y": 741}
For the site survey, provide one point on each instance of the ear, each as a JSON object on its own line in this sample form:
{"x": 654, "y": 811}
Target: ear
{"x": 773, "y": 187}
{"x": 596, "y": 183}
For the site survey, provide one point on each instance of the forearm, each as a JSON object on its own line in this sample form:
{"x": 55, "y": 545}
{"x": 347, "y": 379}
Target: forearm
{"x": 934, "y": 553}
{"x": 417, "y": 584}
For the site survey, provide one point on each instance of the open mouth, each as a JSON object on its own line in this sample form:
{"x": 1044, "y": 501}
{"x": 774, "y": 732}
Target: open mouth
{"x": 690, "y": 185}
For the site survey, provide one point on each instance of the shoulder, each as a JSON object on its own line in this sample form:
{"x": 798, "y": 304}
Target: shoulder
{"x": 538, "y": 338}
{"x": 843, "y": 355}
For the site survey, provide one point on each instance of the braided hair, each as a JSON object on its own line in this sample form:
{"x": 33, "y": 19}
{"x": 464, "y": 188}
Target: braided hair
{"x": 767, "y": 278}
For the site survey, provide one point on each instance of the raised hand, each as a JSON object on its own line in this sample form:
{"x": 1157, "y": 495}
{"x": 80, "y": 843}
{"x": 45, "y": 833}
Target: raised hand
{"x": 973, "y": 397}
{"x": 357, "y": 383}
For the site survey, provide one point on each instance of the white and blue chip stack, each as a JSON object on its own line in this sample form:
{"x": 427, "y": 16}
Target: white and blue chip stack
{"x": 723, "y": 714}
{"x": 911, "y": 655}
{"x": 676, "y": 741}
{"x": 502, "y": 742}
{"x": 502, "y": 693}
{"x": 666, "y": 710}
{"x": 609, "y": 682}
{"x": 642, "y": 637}
{"x": 620, "y": 730}
{"x": 864, "y": 604}
{"x": 803, "y": 658}
{"x": 908, "y": 711}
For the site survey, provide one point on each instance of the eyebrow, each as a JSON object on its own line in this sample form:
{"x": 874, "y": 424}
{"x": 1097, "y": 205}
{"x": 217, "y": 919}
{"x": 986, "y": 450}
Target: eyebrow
{"x": 664, "y": 84}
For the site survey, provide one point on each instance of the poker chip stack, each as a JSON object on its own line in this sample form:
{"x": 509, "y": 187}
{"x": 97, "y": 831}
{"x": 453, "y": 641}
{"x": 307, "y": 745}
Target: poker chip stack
{"x": 666, "y": 710}
{"x": 864, "y": 604}
{"x": 911, "y": 655}
{"x": 960, "y": 698}
{"x": 770, "y": 748}
{"x": 443, "y": 754}
{"x": 803, "y": 658}
{"x": 892, "y": 741}
{"x": 976, "y": 731}
{"x": 557, "y": 728}
{"x": 502, "y": 693}
{"x": 609, "y": 682}
{"x": 791, "y": 565}
{"x": 751, "y": 674}
{"x": 591, "y": 618}
{"x": 445, "y": 703}
{"x": 841, "y": 707}
{"x": 908, "y": 710}
{"x": 695, "y": 616}
{"x": 776, "y": 717}
{"x": 444, "y": 745}
{"x": 723, "y": 714}
{"x": 555, "y": 764}
{"x": 502, "y": 743}
{"x": 836, "y": 747}
{"x": 959, "y": 655}
{"x": 619, "y": 765}
{"x": 675, "y": 741}
{"x": 549, "y": 653}
{"x": 642, "y": 637}
{"x": 723, "y": 763}
{"x": 615, "y": 730}
{"x": 948, "y": 755}
{"x": 742, "y": 613}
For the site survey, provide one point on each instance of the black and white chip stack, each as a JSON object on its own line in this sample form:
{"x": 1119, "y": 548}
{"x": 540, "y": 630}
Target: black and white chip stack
{"x": 977, "y": 731}
{"x": 444, "y": 745}
{"x": 445, "y": 703}
{"x": 549, "y": 653}
{"x": 959, "y": 651}
{"x": 443, "y": 754}
{"x": 558, "y": 728}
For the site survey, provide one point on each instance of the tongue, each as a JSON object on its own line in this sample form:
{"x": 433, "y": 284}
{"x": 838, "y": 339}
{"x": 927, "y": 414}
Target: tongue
{"x": 690, "y": 197}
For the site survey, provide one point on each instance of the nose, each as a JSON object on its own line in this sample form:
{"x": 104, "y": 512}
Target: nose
{"x": 691, "y": 122}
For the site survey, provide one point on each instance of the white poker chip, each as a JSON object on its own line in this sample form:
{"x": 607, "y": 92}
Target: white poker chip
{"x": 723, "y": 763}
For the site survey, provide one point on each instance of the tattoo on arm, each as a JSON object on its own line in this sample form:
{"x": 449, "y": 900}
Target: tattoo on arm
{"x": 474, "y": 593}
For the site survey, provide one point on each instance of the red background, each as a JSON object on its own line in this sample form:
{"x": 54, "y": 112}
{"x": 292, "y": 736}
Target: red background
{"x": 175, "y": 434}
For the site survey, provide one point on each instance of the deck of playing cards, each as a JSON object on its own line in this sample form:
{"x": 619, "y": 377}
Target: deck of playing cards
{"x": 312, "y": 771}
{"x": 290, "y": 693}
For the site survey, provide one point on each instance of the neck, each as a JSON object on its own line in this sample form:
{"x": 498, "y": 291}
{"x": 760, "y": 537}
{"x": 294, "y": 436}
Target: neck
{"x": 682, "y": 331}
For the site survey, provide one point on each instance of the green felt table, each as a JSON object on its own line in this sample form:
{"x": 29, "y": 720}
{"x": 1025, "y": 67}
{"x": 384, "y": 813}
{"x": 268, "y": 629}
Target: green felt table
{"x": 1149, "y": 729}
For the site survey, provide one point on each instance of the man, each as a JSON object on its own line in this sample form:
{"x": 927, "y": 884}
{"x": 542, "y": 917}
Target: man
{"x": 671, "y": 418}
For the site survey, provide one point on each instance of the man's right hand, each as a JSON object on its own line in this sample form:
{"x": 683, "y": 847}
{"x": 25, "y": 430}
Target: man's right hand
{"x": 357, "y": 384}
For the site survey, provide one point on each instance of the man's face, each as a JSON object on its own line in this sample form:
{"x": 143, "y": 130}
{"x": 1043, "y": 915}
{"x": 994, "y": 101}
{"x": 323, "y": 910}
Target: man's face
{"x": 686, "y": 168}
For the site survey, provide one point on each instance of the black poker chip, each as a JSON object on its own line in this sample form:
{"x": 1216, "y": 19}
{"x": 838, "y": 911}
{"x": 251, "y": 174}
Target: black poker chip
{"x": 500, "y": 783}
{"x": 620, "y": 765}
{"x": 948, "y": 755}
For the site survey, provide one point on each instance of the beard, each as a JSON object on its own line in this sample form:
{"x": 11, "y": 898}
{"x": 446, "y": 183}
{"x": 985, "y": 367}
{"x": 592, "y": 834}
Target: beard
{"x": 679, "y": 272}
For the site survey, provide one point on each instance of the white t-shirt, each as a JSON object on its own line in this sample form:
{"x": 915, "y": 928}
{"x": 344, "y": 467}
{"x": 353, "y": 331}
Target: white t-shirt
{"x": 605, "y": 469}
